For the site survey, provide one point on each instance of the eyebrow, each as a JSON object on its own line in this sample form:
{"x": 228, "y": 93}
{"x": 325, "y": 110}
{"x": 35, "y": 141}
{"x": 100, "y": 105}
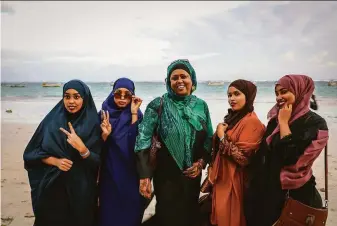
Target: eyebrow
{"x": 72, "y": 94}
{"x": 280, "y": 89}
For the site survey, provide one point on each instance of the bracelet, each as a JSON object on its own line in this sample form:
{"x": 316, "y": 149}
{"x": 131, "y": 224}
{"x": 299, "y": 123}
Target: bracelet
{"x": 221, "y": 139}
{"x": 85, "y": 154}
{"x": 134, "y": 113}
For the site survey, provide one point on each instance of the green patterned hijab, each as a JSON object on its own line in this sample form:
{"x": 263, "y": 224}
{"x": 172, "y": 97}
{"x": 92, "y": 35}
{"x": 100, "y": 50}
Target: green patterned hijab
{"x": 181, "y": 117}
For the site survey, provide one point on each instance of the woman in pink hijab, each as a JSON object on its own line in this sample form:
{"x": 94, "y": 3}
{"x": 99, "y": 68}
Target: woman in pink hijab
{"x": 294, "y": 138}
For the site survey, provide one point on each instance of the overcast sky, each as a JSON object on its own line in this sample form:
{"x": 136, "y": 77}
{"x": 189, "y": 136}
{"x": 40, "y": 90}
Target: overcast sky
{"x": 101, "y": 41}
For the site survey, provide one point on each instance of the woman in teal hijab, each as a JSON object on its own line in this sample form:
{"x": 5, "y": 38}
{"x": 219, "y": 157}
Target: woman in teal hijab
{"x": 184, "y": 130}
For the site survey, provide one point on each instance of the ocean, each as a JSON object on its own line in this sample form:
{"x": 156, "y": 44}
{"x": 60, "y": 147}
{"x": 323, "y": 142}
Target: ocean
{"x": 31, "y": 103}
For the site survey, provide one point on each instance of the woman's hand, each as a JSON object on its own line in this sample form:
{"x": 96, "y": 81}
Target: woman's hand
{"x": 194, "y": 170}
{"x": 221, "y": 129}
{"x": 105, "y": 124}
{"x": 63, "y": 164}
{"x": 145, "y": 188}
{"x": 74, "y": 140}
{"x": 135, "y": 104}
{"x": 285, "y": 114}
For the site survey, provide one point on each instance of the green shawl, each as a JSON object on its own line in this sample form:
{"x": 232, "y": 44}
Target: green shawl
{"x": 181, "y": 118}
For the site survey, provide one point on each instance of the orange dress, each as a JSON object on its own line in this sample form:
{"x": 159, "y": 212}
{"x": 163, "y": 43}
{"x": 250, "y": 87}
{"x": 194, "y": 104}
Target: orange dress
{"x": 228, "y": 171}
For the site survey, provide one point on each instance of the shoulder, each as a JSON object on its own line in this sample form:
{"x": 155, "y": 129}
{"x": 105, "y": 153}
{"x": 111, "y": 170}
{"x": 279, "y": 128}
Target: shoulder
{"x": 312, "y": 119}
{"x": 200, "y": 102}
{"x": 252, "y": 119}
{"x": 154, "y": 104}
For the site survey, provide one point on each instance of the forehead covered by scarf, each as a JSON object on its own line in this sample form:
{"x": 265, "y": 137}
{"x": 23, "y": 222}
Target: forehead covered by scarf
{"x": 248, "y": 89}
{"x": 124, "y": 83}
{"x": 301, "y": 86}
{"x": 76, "y": 85}
{"x": 184, "y": 65}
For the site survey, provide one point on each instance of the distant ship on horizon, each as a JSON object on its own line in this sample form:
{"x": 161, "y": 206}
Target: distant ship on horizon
{"x": 46, "y": 84}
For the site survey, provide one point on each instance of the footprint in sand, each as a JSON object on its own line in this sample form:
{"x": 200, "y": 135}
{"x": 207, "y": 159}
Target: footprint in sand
{"x": 29, "y": 215}
{"x": 3, "y": 180}
{"x": 6, "y": 220}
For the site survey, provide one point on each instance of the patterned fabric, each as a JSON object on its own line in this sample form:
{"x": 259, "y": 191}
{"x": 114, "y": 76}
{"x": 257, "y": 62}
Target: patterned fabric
{"x": 181, "y": 117}
{"x": 227, "y": 148}
{"x": 177, "y": 129}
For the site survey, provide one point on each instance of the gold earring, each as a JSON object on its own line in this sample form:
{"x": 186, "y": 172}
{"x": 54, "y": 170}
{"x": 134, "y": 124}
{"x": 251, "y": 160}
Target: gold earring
{"x": 193, "y": 88}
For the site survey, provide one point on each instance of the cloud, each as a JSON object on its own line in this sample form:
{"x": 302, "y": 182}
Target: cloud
{"x": 223, "y": 40}
{"x": 289, "y": 56}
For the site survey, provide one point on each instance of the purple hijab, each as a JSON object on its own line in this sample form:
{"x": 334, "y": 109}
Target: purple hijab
{"x": 120, "y": 118}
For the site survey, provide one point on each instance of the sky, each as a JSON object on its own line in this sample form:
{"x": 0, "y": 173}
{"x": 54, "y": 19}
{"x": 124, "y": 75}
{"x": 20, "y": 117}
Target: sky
{"x": 102, "y": 41}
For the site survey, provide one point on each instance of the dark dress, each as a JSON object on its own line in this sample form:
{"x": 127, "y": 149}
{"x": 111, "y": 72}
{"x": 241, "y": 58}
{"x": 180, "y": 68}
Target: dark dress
{"x": 58, "y": 197}
{"x": 265, "y": 198}
{"x": 177, "y": 195}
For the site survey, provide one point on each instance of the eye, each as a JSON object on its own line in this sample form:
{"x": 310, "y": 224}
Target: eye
{"x": 67, "y": 97}
{"x": 183, "y": 76}
{"x": 77, "y": 97}
{"x": 284, "y": 91}
{"x": 174, "y": 78}
{"x": 236, "y": 93}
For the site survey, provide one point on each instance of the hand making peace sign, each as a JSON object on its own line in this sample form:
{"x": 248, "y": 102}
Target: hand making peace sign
{"x": 105, "y": 125}
{"x": 74, "y": 140}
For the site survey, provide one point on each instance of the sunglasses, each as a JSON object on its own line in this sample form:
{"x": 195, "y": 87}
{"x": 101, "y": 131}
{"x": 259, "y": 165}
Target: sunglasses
{"x": 119, "y": 94}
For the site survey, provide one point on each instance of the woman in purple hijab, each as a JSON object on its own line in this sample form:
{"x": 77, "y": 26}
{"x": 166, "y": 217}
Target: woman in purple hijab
{"x": 119, "y": 198}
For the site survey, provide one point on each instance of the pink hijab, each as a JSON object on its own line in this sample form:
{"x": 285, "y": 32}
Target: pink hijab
{"x": 302, "y": 87}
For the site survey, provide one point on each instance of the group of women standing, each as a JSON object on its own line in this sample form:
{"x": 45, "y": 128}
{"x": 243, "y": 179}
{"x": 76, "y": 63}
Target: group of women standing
{"x": 89, "y": 168}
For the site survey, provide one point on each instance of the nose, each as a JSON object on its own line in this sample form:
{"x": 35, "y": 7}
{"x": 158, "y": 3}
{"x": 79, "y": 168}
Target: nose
{"x": 180, "y": 80}
{"x": 71, "y": 100}
{"x": 231, "y": 98}
{"x": 279, "y": 97}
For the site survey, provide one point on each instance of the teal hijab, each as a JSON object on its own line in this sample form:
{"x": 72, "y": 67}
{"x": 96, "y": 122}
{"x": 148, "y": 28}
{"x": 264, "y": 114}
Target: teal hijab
{"x": 181, "y": 118}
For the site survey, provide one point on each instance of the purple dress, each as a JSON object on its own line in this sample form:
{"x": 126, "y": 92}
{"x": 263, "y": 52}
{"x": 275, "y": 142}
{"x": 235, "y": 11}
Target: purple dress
{"x": 120, "y": 201}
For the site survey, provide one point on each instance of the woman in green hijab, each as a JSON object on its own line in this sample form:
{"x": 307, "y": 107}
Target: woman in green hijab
{"x": 184, "y": 131}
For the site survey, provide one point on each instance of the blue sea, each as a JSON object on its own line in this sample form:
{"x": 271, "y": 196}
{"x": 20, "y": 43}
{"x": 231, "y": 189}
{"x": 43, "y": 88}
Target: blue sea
{"x": 31, "y": 103}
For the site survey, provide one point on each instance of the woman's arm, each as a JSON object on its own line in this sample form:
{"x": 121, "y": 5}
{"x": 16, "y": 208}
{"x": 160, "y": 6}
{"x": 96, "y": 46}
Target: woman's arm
{"x": 249, "y": 140}
{"x": 146, "y": 129}
{"x": 292, "y": 146}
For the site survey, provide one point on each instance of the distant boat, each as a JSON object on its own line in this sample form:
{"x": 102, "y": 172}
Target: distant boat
{"x": 45, "y": 84}
{"x": 332, "y": 83}
{"x": 17, "y": 86}
{"x": 14, "y": 85}
{"x": 215, "y": 83}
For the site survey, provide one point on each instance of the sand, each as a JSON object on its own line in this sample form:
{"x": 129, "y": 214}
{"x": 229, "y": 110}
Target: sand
{"x": 16, "y": 207}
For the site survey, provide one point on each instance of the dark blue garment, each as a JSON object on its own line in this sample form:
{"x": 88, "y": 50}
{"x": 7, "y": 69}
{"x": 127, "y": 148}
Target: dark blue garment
{"x": 68, "y": 197}
{"x": 120, "y": 201}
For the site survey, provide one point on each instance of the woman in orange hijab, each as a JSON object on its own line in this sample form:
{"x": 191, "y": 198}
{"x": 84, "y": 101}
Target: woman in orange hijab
{"x": 237, "y": 140}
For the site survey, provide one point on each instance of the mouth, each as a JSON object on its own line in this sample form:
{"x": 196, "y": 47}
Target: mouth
{"x": 121, "y": 102}
{"x": 181, "y": 87}
{"x": 232, "y": 104}
{"x": 280, "y": 103}
{"x": 71, "y": 108}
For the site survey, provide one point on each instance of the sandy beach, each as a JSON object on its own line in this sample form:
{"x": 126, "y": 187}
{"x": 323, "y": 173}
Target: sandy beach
{"x": 16, "y": 207}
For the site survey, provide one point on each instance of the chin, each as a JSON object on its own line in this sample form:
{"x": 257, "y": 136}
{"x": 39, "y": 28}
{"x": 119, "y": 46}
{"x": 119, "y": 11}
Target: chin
{"x": 182, "y": 93}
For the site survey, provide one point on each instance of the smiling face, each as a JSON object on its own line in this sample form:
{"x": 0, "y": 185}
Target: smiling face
{"x": 72, "y": 101}
{"x": 181, "y": 82}
{"x": 236, "y": 98}
{"x": 283, "y": 96}
{"x": 122, "y": 97}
